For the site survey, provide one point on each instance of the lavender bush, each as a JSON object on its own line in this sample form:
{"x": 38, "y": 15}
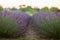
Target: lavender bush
{"x": 7, "y": 27}
{"x": 0, "y": 13}
{"x": 22, "y": 20}
{"x": 46, "y": 24}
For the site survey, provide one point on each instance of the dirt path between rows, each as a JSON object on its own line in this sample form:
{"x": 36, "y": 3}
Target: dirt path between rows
{"x": 30, "y": 34}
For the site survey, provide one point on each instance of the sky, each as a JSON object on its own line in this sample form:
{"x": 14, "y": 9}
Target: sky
{"x": 38, "y": 3}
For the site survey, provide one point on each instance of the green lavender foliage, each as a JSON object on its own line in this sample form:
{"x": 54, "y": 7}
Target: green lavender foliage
{"x": 7, "y": 27}
{"x": 50, "y": 28}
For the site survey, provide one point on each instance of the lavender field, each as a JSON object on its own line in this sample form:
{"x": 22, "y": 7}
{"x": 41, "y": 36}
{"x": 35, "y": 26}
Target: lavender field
{"x": 35, "y": 24}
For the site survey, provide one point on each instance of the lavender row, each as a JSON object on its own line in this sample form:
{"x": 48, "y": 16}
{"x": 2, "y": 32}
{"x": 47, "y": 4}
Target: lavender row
{"x": 46, "y": 24}
{"x": 19, "y": 19}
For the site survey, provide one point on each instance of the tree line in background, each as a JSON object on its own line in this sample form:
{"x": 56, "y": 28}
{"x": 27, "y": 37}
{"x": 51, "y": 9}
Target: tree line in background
{"x": 29, "y": 9}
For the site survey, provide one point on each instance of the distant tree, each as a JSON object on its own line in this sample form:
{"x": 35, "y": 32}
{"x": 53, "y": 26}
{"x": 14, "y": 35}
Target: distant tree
{"x": 31, "y": 10}
{"x": 28, "y": 9}
{"x": 58, "y": 10}
{"x": 1, "y": 8}
{"x": 45, "y": 9}
{"x": 54, "y": 9}
{"x": 13, "y": 8}
{"x": 37, "y": 9}
{"x": 22, "y": 8}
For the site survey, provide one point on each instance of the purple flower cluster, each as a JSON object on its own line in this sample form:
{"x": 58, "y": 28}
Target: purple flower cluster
{"x": 38, "y": 17}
